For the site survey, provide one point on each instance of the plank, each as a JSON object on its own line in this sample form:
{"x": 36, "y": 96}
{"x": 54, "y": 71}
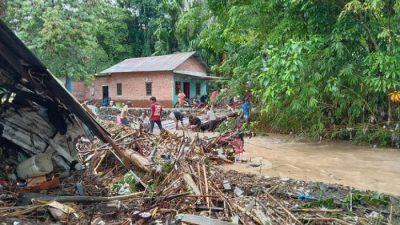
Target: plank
{"x": 201, "y": 220}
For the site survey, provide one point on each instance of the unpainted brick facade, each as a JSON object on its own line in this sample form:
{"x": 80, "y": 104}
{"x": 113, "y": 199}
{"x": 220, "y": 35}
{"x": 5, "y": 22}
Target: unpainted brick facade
{"x": 80, "y": 91}
{"x": 133, "y": 86}
{"x": 192, "y": 64}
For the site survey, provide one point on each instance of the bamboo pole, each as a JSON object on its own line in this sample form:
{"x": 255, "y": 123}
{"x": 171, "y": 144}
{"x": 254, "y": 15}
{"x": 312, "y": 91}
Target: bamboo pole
{"x": 206, "y": 185}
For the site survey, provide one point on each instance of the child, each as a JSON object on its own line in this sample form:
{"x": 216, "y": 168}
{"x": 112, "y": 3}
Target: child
{"x": 181, "y": 98}
{"x": 118, "y": 118}
{"x": 144, "y": 122}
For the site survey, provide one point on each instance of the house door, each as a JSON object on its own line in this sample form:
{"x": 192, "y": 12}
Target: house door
{"x": 186, "y": 89}
{"x": 106, "y": 99}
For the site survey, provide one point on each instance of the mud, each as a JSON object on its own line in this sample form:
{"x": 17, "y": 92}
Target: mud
{"x": 362, "y": 167}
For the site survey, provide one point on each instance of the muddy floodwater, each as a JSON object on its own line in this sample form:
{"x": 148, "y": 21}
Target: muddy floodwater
{"x": 362, "y": 167}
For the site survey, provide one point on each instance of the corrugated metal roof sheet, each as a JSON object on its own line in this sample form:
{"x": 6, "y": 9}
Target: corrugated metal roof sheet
{"x": 194, "y": 74}
{"x": 152, "y": 63}
{"x": 15, "y": 54}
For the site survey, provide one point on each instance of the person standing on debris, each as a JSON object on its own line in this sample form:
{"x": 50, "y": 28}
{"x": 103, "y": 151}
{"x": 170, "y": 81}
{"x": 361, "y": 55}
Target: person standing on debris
{"x": 118, "y": 118}
{"x": 246, "y": 110}
{"x": 213, "y": 97}
{"x": 203, "y": 100}
{"x": 144, "y": 121}
{"x": 181, "y": 98}
{"x": 156, "y": 112}
{"x": 124, "y": 116}
{"x": 194, "y": 122}
{"x": 211, "y": 118}
{"x": 177, "y": 116}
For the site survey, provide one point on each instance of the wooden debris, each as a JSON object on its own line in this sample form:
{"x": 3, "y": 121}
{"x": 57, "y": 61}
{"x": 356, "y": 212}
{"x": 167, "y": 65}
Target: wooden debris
{"x": 189, "y": 181}
{"x": 200, "y": 220}
{"x": 161, "y": 184}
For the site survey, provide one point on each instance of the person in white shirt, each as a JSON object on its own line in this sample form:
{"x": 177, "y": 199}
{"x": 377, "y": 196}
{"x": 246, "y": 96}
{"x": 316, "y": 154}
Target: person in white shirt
{"x": 211, "y": 118}
{"x": 144, "y": 121}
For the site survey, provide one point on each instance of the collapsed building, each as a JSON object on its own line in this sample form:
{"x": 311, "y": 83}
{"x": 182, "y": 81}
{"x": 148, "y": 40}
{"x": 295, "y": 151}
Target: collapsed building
{"x": 37, "y": 114}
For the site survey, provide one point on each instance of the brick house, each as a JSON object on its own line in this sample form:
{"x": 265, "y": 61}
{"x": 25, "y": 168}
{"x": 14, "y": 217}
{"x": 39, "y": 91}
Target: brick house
{"x": 135, "y": 80}
{"x": 78, "y": 89}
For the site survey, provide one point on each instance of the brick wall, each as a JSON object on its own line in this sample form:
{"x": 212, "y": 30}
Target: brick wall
{"x": 80, "y": 91}
{"x": 134, "y": 88}
{"x": 192, "y": 64}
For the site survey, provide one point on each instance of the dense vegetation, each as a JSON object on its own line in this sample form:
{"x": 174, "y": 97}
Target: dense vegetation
{"x": 323, "y": 67}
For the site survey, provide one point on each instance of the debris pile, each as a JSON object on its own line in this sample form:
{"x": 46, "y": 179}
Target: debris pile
{"x": 173, "y": 179}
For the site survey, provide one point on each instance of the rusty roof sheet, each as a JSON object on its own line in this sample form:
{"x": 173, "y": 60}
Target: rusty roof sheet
{"x": 31, "y": 74}
{"x": 148, "y": 64}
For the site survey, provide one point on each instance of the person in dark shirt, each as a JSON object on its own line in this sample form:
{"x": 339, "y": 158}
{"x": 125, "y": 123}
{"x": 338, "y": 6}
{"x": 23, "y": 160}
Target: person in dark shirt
{"x": 194, "y": 122}
{"x": 177, "y": 116}
{"x": 203, "y": 99}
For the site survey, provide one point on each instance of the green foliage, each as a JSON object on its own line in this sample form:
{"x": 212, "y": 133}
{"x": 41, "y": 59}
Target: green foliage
{"x": 72, "y": 38}
{"x": 227, "y": 125}
{"x": 167, "y": 167}
{"x": 151, "y": 187}
{"x": 313, "y": 64}
{"x": 382, "y": 136}
{"x": 328, "y": 203}
{"x": 128, "y": 179}
{"x": 359, "y": 198}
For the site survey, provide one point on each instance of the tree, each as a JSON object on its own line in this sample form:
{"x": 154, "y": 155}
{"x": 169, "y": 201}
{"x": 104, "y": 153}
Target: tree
{"x": 313, "y": 63}
{"x": 3, "y": 7}
{"x": 72, "y": 37}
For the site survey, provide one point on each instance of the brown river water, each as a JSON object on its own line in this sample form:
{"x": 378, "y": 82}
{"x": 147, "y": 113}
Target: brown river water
{"x": 362, "y": 167}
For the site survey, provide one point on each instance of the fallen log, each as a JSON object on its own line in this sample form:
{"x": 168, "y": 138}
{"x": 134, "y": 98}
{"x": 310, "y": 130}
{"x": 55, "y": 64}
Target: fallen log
{"x": 200, "y": 220}
{"x": 28, "y": 197}
{"x": 211, "y": 127}
{"x": 136, "y": 159}
{"x": 189, "y": 181}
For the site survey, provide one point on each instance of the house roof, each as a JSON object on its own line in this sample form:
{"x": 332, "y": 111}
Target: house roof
{"x": 200, "y": 75}
{"x": 152, "y": 63}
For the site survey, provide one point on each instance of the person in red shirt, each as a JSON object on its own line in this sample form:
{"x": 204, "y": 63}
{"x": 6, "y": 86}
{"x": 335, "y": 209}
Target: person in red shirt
{"x": 155, "y": 115}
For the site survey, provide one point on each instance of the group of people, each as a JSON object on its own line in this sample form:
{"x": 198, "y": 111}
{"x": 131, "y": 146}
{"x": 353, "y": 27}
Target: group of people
{"x": 156, "y": 110}
{"x": 177, "y": 115}
{"x": 197, "y": 101}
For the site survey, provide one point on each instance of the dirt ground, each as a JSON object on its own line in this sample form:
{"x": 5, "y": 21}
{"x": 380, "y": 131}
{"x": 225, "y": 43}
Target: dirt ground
{"x": 362, "y": 167}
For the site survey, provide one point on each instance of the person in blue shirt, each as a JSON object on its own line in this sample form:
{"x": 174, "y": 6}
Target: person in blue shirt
{"x": 246, "y": 110}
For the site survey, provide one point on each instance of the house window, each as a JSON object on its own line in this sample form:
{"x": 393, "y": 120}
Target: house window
{"x": 198, "y": 89}
{"x": 119, "y": 89}
{"x": 148, "y": 88}
{"x": 177, "y": 87}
